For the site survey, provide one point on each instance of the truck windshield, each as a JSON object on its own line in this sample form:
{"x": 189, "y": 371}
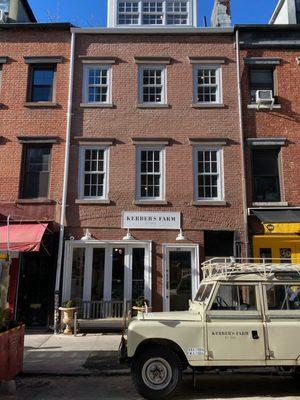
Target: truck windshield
{"x": 204, "y": 292}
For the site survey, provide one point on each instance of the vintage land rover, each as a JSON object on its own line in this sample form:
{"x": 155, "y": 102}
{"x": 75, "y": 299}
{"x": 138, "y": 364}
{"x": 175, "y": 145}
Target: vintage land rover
{"x": 245, "y": 314}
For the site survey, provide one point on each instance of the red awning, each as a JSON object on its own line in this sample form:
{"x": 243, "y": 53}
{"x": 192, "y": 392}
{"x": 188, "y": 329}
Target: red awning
{"x": 22, "y": 237}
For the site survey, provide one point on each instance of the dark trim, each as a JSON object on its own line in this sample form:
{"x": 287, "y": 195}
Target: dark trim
{"x": 29, "y": 25}
{"x": 153, "y": 60}
{"x": 151, "y": 140}
{"x": 96, "y": 139}
{"x": 208, "y": 141}
{"x": 262, "y": 61}
{"x": 266, "y": 141}
{"x": 29, "y": 11}
{"x": 43, "y": 59}
{"x": 3, "y": 60}
{"x": 38, "y": 139}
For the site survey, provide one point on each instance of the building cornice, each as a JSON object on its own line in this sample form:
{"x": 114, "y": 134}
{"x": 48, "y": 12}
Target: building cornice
{"x": 154, "y": 31}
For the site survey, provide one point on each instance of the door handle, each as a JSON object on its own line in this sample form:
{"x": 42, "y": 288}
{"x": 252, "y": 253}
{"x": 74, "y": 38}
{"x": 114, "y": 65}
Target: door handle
{"x": 255, "y": 335}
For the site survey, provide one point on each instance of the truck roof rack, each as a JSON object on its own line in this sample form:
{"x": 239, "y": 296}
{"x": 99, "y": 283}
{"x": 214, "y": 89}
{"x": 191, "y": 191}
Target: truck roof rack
{"x": 225, "y": 267}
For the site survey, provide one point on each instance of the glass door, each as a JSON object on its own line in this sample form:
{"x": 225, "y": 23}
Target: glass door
{"x": 118, "y": 272}
{"x": 180, "y": 273}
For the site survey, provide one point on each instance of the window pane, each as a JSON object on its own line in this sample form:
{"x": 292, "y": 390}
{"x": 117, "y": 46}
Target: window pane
{"x": 94, "y": 173}
{"x": 36, "y": 172}
{"x": 150, "y": 175}
{"x": 207, "y": 85}
{"x": 235, "y": 298}
{"x": 261, "y": 77}
{"x": 283, "y": 297}
{"x": 265, "y": 254}
{"x": 152, "y": 87}
{"x": 117, "y": 292}
{"x": 77, "y": 274}
{"x": 97, "y": 85}
{"x": 42, "y": 84}
{"x": 138, "y": 271}
{"x": 208, "y": 174}
{"x": 98, "y": 274}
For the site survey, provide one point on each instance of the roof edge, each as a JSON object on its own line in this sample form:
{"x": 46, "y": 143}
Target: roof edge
{"x": 153, "y": 31}
{"x": 29, "y": 11}
{"x": 37, "y": 25}
{"x": 276, "y": 11}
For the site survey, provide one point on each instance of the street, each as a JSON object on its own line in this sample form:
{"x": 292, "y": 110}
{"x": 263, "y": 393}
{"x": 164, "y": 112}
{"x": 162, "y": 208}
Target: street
{"x": 121, "y": 387}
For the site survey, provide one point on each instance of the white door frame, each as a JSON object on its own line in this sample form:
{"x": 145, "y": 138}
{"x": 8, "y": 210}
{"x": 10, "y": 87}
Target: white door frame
{"x": 195, "y": 267}
{"x": 108, "y": 246}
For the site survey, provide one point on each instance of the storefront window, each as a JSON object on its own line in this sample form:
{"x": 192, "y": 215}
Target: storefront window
{"x": 138, "y": 267}
{"x": 98, "y": 274}
{"x": 117, "y": 291}
{"x": 77, "y": 274}
{"x": 286, "y": 255}
{"x": 265, "y": 254}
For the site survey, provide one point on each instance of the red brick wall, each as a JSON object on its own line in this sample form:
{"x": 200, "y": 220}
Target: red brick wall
{"x": 283, "y": 123}
{"x": 18, "y": 120}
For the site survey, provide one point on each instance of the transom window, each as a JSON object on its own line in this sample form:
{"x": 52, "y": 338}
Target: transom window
{"x": 97, "y": 84}
{"x": 208, "y": 180}
{"x": 155, "y": 12}
{"x": 152, "y": 84}
{"x": 42, "y": 83}
{"x": 207, "y": 84}
{"x": 150, "y": 174}
{"x": 93, "y": 173}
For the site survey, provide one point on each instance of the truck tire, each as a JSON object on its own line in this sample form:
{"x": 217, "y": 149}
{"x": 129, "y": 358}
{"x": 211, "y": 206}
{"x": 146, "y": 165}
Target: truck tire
{"x": 156, "y": 372}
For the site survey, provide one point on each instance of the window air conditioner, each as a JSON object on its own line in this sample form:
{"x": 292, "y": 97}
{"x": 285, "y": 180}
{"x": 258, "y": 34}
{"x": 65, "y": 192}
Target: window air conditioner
{"x": 3, "y": 17}
{"x": 265, "y": 97}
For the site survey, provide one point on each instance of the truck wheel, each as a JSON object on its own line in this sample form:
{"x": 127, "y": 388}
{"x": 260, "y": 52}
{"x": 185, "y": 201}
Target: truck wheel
{"x": 156, "y": 372}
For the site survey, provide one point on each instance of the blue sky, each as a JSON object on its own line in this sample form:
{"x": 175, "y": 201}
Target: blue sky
{"x": 93, "y": 12}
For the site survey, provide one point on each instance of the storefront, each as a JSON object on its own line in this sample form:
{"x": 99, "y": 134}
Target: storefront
{"x": 279, "y": 239}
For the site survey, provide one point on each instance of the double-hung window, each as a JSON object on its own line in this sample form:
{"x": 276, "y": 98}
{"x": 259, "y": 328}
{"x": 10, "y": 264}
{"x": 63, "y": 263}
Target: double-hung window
{"x": 207, "y": 84}
{"x": 93, "y": 174}
{"x": 152, "y": 12}
{"x": 177, "y": 12}
{"x": 97, "y": 84}
{"x": 128, "y": 13}
{"x": 152, "y": 84}
{"x": 150, "y": 173}
{"x": 42, "y": 79}
{"x": 208, "y": 174}
{"x": 36, "y": 171}
{"x": 260, "y": 79}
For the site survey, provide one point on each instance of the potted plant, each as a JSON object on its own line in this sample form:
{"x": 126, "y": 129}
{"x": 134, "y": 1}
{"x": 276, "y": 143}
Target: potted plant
{"x": 68, "y": 308}
{"x": 140, "y": 305}
{"x": 11, "y": 346}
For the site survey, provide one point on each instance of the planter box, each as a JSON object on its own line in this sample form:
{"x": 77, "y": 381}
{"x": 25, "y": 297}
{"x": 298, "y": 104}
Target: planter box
{"x": 11, "y": 352}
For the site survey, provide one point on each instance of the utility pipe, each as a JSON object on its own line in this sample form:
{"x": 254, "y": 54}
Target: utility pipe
{"x": 65, "y": 185}
{"x": 242, "y": 144}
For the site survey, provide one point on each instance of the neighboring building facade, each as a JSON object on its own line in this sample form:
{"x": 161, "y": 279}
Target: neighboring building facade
{"x": 12, "y": 11}
{"x": 34, "y": 79}
{"x": 286, "y": 12}
{"x": 156, "y": 149}
{"x": 270, "y": 63}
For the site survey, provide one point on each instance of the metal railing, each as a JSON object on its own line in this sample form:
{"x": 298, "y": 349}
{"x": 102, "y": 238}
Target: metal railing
{"x": 225, "y": 267}
{"x": 102, "y": 309}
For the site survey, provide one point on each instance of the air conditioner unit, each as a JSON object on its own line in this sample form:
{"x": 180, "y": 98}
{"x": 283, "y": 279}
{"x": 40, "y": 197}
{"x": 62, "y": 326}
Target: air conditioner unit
{"x": 3, "y": 17}
{"x": 265, "y": 97}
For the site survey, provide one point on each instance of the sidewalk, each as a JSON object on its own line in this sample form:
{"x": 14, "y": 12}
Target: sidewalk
{"x": 87, "y": 354}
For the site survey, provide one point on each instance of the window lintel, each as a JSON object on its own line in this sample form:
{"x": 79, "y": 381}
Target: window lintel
{"x": 267, "y": 141}
{"x": 207, "y": 60}
{"x": 3, "y": 60}
{"x": 98, "y": 59}
{"x": 165, "y": 60}
{"x": 43, "y": 59}
{"x": 151, "y": 141}
{"x": 209, "y": 141}
{"x": 95, "y": 141}
{"x": 38, "y": 139}
{"x": 262, "y": 61}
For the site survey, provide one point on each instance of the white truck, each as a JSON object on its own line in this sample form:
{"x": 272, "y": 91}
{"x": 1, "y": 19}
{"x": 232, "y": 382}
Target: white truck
{"x": 245, "y": 314}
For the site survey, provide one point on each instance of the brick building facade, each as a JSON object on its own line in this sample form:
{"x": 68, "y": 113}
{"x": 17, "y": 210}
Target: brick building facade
{"x": 177, "y": 129}
{"x": 34, "y": 80}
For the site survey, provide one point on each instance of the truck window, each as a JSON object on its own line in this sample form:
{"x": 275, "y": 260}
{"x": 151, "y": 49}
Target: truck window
{"x": 283, "y": 297}
{"x": 235, "y": 298}
{"x": 204, "y": 292}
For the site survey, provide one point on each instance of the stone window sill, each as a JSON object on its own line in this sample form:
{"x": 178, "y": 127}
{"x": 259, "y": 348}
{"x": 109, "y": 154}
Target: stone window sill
{"x": 150, "y": 203}
{"x": 141, "y": 105}
{"x": 270, "y": 204}
{"x": 263, "y": 107}
{"x": 35, "y": 201}
{"x": 92, "y": 201}
{"x": 207, "y": 105}
{"x": 212, "y": 203}
{"x": 44, "y": 104}
{"x": 96, "y": 105}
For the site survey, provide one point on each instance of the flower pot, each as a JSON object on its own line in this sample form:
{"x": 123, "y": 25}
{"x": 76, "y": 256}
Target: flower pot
{"x": 11, "y": 352}
{"x": 68, "y": 317}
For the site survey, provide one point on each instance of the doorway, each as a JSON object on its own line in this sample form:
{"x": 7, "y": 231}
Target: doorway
{"x": 181, "y": 276}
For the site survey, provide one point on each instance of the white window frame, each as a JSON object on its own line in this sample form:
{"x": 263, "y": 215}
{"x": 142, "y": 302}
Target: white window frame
{"x": 82, "y": 174}
{"x": 162, "y": 162}
{"x": 162, "y": 68}
{"x": 85, "y": 91}
{"x": 153, "y": 13}
{"x": 219, "y": 93}
{"x": 220, "y": 163}
{"x": 191, "y": 9}
{"x": 129, "y": 13}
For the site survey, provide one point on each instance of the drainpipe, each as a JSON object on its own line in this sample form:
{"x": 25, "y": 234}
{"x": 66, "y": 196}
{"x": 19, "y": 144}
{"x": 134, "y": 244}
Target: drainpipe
{"x": 242, "y": 143}
{"x": 65, "y": 186}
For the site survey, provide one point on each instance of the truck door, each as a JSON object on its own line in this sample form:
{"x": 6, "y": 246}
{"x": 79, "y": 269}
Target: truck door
{"x": 283, "y": 321}
{"x": 235, "y": 331}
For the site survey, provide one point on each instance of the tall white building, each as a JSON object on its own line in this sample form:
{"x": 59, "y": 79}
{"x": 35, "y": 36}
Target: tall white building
{"x": 286, "y": 12}
{"x": 153, "y": 13}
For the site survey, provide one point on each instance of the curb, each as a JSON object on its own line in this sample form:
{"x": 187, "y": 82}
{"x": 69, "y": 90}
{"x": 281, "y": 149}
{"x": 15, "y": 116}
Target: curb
{"x": 109, "y": 372}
